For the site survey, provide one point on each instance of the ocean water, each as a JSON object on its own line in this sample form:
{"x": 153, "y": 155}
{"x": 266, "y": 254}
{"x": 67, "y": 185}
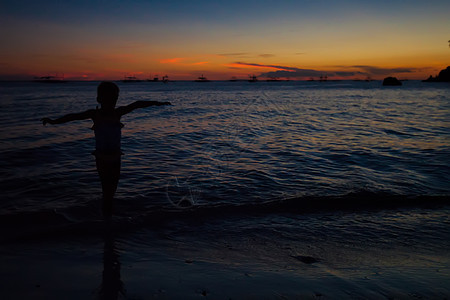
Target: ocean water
{"x": 228, "y": 143}
{"x": 274, "y": 169}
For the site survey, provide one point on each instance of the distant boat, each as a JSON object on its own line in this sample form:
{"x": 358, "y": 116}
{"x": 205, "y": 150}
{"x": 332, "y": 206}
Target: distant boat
{"x": 164, "y": 79}
{"x": 130, "y": 79}
{"x": 253, "y": 78}
{"x": 154, "y": 79}
{"x": 323, "y": 78}
{"x": 270, "y": 79}
{"x": 202, "y": 79}
{"x": 50, "y": 79}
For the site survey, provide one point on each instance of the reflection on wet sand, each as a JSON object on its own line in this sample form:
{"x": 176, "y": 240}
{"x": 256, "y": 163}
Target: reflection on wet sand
{"x": 112, "y": 286}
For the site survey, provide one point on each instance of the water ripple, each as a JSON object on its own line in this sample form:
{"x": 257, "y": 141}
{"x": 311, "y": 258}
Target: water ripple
{"x": 227, "y": 143}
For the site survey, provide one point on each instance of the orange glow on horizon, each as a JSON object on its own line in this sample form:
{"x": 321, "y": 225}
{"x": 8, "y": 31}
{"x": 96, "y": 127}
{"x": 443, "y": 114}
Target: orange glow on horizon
{"x": 201, "y": 63}
{"x": 171, "y": 60}
{"x": 218, "y": 67}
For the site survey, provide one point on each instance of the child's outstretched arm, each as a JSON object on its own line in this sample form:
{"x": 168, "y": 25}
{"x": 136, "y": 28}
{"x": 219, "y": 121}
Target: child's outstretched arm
{"x": 70, "y": 117}
{"x": 139, "y": 104}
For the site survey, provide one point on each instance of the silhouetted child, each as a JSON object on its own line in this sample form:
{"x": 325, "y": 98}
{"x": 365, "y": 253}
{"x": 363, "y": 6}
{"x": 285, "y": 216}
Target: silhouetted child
{"x": 107, "y": 128}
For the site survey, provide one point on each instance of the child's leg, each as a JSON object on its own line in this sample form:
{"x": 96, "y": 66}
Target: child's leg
{"x": 109, "y": 172}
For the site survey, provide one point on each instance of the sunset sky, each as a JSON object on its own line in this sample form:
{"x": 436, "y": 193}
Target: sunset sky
{"x": 95, "y": 40}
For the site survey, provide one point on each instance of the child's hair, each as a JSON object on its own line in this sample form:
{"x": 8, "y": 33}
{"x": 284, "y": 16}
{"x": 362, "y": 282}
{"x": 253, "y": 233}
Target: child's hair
{"x": 107, "y": 91}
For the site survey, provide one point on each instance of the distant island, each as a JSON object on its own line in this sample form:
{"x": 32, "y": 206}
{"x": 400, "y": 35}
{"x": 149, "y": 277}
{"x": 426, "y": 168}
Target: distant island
{"x": 444, "y": 76}
{"x": 392, "y": 81}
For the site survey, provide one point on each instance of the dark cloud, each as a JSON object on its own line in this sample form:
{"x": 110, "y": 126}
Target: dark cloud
{"x": 233, "y": 54}
{"x": 246, "y": 55}
{"x": 348, "y": 73}
{"x": 267, "y": 55}
{"x": 372, "y": 70}
{"x": 299, "y": 73}
{"x": 339, "y": 71}
{"x": 265, "y": 66}
{"x": 292, "y": 72}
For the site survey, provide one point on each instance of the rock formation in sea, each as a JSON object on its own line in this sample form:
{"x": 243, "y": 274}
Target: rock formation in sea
{"x": 391, "y": 81}
{"x": 444, "y": 76}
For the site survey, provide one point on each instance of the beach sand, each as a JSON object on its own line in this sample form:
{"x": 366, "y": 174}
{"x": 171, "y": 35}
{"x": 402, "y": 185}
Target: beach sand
{"x": 195, "y": 261}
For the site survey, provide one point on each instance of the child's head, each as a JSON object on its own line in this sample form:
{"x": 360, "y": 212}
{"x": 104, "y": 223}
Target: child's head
{"x": 107, "y": 94}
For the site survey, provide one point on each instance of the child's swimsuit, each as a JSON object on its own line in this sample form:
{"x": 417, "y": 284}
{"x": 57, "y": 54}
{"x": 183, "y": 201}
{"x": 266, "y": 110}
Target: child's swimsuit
{"x": 107, "y": 135}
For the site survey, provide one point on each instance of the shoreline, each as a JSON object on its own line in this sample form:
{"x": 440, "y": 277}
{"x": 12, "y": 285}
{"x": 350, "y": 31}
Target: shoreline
{"x": 83, "y": 273}
{"x": 192, "y": 259}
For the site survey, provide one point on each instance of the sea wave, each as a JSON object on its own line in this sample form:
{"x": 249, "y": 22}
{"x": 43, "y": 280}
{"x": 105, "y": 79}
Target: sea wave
{"x": 88, "y": 220}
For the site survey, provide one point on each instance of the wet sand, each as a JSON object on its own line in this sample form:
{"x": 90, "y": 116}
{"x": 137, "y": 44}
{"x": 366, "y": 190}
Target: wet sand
{"x": 165, "y": 265}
